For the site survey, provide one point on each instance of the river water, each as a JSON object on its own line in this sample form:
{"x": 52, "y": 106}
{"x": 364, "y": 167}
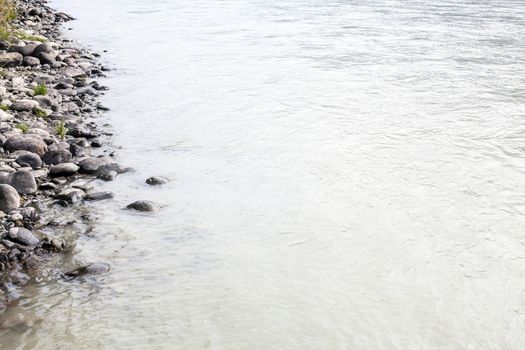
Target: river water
{"x": 345, "y": 174}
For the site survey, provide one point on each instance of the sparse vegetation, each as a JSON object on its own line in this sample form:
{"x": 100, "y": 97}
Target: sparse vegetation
{"x": 7, "y": 15}
{"x": 39, "y": 112}
{"x": 22, "y": 127}
{"x": 40, "y": 89}
{"x": 61, "y": 130}
{"x": 4, "y": 108}
{"x": 24, "y": 36}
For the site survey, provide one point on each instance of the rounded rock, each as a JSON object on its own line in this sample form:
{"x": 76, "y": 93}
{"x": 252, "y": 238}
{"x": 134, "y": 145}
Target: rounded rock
{"x": 9, "y": 198}
{"x": 155, "y": 181}
{"x": 31, "y": 159}
{"x": 22, "y": 236}
{"x": 57, "y": 157}
{"x": 30, "y": 142}
{"x": 142, "y": 205}
{"x": 63, "y": 169}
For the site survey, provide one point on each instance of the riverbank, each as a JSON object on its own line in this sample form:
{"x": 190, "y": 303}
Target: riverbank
{"x": 52, "y": 147}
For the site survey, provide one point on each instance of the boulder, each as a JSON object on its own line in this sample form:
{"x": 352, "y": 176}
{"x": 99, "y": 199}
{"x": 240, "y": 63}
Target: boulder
{"x": 31, "y": 61}
{"x": 23, "y": 181}
{"x": 90, "y": 165}
{"x": 57, "y": 156}
{"x": 31, "y": 159}
{"x": 63, "y": 169}
{"x": 24, "y": 105}
{"x": 142, "y": 205}
{"x": 155, "y": 181}
{"x": 22, "y": 236}
{"x": 11, "y": 59}
{"x": 30, "y": 142}
{"x": 42, "y": 48}
{"x": 9, "y": 198}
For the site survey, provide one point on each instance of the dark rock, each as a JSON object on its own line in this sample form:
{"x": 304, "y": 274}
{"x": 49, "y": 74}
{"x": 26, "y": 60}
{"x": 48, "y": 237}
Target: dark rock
{"x": 46, "y": 57}
{"x": 78, "y": 151}
{"x": 83, "y": 131}
{"x": 91, "y": 269}
{"x": 31, "y": 159}
{"x": 30, "y": 214}
{"x": 31, "y": 61}
{"x": 10, "y": 59}
{"x": 90, "y": 165}
{"x": 22, "y": 236}
{"x": 28, "y": 142}
{"x": 23, "y": 181}
{"x": 63, "y": 169}
{"x": 48, "y": 186}
{"x": 44, "y": 47}
{"x": 107, "y": 175}
{"x": 97, "y": 196}
{"x": 155, "y": 180}
{"x": 71, "y": 195}
{"x": 9, "y": 198}
{"x": 23, "y": 105}
{"x": 142, "y": 205}
{"x": 26, "y": 50}
{"x": 57, "y": 156}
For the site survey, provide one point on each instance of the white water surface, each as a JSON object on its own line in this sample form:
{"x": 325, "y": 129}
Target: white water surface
{"x": 345, "y": 174}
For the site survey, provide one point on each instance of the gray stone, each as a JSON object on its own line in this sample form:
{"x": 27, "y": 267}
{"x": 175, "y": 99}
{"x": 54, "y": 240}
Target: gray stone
{"x": 107, "y": 175}
{"x": 142, "y": 205}
{"x": 23, "y": 181}
{"x": 46, "y": 57}
{"x": 47, "y": 102}
{"x": 57, "y": 156}
{"x": 91, "y": 269}
{"x": 78, "y": 151}
{"x": 98, "y": 196}
{"x": 9, "y": 198}
{"x": 72, "y": 195}
{"x": 26, "y": 50}
{"x": 63, "y": 169}
{"x": 29, "y": 142}
{"x": 90, "y": 165}
{"x": 10, "y": 59}
{"x": 44, "y": 47}
{"x": 155, "y": 180}
{"x": 23, "y": 105}
{"x": 31, "y": 159}
{"x": 22, "y": 236}
{"x": 31, "y": 61}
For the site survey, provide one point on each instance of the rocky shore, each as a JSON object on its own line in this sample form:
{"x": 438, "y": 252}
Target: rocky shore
{"x": 51, "y": 146}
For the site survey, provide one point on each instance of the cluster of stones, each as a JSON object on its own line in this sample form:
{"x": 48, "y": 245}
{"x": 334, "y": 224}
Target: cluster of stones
{"x": 41, "y": 167}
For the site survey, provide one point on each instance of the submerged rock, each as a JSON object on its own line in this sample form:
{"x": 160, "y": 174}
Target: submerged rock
{"x": 9, "y": 198}
{"x": 91, "y": 269}
{"x": 71, "y": 195}
{"x": 98, "y": 196}
{"x": 155, "y": 181}
{"x": 142, "y": 205}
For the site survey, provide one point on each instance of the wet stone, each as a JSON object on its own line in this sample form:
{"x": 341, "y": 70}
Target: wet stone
{"x": 142, "y": 205}
{"x": 22, "y": 236}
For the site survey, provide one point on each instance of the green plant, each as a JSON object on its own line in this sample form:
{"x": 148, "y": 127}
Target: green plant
{"x": 7, "y": 15}
{"x": 22, "y": 127}
{"x": 24, "y": 36}
{"x": 40, "y": 89}
{"x": 61, "y": 130}
{"x": 4, "y": 108}
{"x": 39, "y": 112}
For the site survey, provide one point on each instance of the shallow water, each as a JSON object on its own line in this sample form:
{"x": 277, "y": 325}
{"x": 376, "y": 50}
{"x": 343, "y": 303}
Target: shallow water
{"x": 345, "y": 174}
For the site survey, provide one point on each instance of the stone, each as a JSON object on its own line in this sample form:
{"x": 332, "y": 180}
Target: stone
{"x": 27, "y": 50}
{"x": 142, "y": 205}
{"x": 107, "y": 175}
{"x": 90, "y": 165}
{"x": 44, "y": 47}
{"x": 98, "y": 196}
{"x": 91, "y": 269}
{"x": 47, "y": 102}
{"x": 9, "y": 198}
{"x": 11, "y": 59}
{"x": 48, "y": 186}
{"x": 78, "y": 151}
{"x": 23, "y": 105}
{"x": 23, "y": 181}
{"x": 30, "y": 214}
{"x": 29, "y": 61}
{"x": 46, "y": 57}
{"x": 63, "y": 169}
{"x": 155, "y": 181}
{"x": 31, "y": 143}
{"x": 22, "y": 236}
{"x": 57, "y": 156}
{"x": 83, "y": 131}
{"x": 31, "y": 159}
{"x": 71, "y": 195}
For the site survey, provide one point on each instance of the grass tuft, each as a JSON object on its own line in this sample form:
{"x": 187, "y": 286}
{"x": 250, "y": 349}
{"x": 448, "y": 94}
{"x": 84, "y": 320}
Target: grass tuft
{"x": 23, "y": 127}
{"x": 7, "y": 15}
{"x": 39, "y": 112}
{"x": 40, "y": 89}
{"x": 61, "y": 130}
